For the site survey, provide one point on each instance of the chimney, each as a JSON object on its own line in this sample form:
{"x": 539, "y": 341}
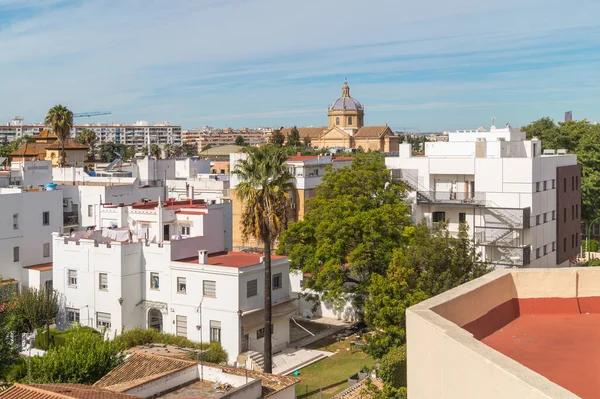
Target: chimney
{"x": 202, "y": 256}
{"x": 190, "y": 193}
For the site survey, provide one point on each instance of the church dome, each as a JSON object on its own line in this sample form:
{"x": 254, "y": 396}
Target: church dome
{"x": 345, "y": 102}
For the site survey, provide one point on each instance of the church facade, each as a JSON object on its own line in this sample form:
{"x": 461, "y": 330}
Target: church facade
{"x": 346, "y": 128}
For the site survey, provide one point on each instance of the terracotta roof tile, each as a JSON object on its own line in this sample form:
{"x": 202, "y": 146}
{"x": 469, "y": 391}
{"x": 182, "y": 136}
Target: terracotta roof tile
{"x": 60, "y": 391}
{"x": 271, "y": 383}
{"x": 310, "y": 132}
{"x": 140, "y": 368}
{"x": 45, "y": 134}
{"x": 70, "y": 144}
{"x": 359, "y": 390}
{"x": 372, "y": 131}
{"x": 30, "y": 149}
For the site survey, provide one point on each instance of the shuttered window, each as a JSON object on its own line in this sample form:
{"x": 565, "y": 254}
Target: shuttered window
{"x": 181, "y": 326}
{"x": 103, "y": 281}
{"x": 251, "y": 288}
{"x": 209, "y": 288}
{"x": 72, "y": 278}
{"x": 181, "y": 285}
{"x": 215, "y": 331}
{"x": 103, "y": 320}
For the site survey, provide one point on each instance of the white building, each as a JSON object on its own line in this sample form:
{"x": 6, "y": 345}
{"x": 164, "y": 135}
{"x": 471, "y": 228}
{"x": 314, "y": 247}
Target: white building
{"x": 522, "y": 206}
{"x": 138, "y": 134}
{"x": 163, "y": 266}
{"x": 27, "y": 220}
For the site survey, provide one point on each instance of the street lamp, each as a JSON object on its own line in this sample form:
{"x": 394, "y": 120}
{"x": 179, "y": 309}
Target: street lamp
{"x": 587, "y": 239}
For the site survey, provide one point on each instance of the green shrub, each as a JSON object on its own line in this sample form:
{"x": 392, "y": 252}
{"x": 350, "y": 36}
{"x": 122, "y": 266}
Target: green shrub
{"x": 141, "y": 336}
{"x": 392, "y": 368}
{"x": 41, "y": 339}
{"x": 58, "y": 338}
{"x": 17, "y": 371}
{"x": 593, "y": 245}
{"x": 593, "y": 262}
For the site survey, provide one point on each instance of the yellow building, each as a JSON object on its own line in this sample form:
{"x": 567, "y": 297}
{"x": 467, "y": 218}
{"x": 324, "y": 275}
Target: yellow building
{"x": 47, "y": 147}
{"x": 346, "y": 128}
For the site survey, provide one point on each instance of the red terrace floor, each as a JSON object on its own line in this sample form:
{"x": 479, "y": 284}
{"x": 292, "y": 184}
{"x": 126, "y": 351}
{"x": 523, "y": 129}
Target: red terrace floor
{"x": 232, "y": 259}
{"x": 565, "y": 348}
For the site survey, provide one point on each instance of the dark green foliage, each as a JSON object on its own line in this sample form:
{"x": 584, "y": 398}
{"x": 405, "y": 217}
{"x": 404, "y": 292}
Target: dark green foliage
{"x": 593, "y": 245}
{"x": 239, "y": 140}
{"x": 293, "y": 138}
{"x": 392, "y": 369}
{"x": 59, "y": 338}
{"x": 277, "y": 138}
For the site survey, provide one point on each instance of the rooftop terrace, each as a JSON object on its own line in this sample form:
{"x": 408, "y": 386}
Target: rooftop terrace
{"x": 512, "y": 333}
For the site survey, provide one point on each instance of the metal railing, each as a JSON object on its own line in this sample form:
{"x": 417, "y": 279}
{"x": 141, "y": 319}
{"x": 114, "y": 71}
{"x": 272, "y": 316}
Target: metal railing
{"x": 452, "y": 197}
{"x": 70, "y": 218}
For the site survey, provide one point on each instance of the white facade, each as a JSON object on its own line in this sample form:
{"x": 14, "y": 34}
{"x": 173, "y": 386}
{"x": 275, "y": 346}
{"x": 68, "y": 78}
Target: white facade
{"x": 489, "y": 179}
{"x": 143, "y": 274}
{"x": 150, "y": 170}
{"x": 27, "y": 221}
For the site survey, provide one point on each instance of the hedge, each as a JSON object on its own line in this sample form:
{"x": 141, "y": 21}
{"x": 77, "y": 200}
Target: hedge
{"x": 58, "y": 338}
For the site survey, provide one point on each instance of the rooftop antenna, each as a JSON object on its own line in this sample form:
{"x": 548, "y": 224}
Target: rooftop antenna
{"x": 493, "y": 118}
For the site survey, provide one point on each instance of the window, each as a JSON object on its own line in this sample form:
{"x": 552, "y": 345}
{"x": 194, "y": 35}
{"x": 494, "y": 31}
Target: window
{"x": 337, "y": 121}
{"x": 438, "y": 217}
{"x": 349, "y": 120}
{"x": 565, "y": 215}
{"x": 90, "y": 210}
{"x": 537, "y": 219}
{"x": 72, "y": 278}
{"x": 537, "y": 187}
{"x": 46, "y": 250}
{"x": 545, "y": 186}
{"x": 154, "y": 281}
{"x": 553, "y": 184}
{"x": 46, "y": 218}
{"x": 251, "y": 288}
{"x": 545, "y": 217}
{"x": 553, "y": 215}
{"x": 565, "y": 184}
{"x": 181, "y": 326}
{"x": 215, "y": 331}
{"x": 260, "y": 333}
{"x": 15, "y": 221}
{"x": 572, "y": 183}
{"x": 72, "y": 315}
{"x": 462, "y": 217}
{"x": 181, "y": 285}
{"x": 185, "y": 230}
{"x": 572, "y": 240}
{"x": 565, "y": 244}
{"x": 15, "y": 254}
{"x": 576, "y": 182}
{"x": 537, "y": 253}
{"x": 103, "y": 281}
{"x": 572, "y": 212}
{"x": 277, "y": 281}
{"x": 553, "y": 246}
{"x": 102, "y": 320}
{"x": 209, "y": 288}
{"x": 222, "y": 171}
{"x": 576, "y": 211}
{"x": 545, "y": 249}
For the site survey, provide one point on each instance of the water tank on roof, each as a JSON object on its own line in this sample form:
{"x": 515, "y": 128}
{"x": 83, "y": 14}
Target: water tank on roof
{"x": 50, "y": 187}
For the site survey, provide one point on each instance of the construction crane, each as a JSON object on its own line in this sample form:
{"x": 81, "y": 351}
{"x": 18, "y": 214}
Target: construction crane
{"x": 88, "y": 114}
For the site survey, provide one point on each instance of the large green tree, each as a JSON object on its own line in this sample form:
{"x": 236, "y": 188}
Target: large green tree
{"x": 293, "y": 138}
{"x": 588, "y": 155}
{"x": 277, "y": 138}
{"x": 239, "y": 140}
{"x": 60, "y": 120}
{"x": 189, "y": 150}
{"x": 263, "y": 190}
{"x": 88, "y": 137}
{"x": 350, "y": 229}
{"x": 9, "y": 146}
{"x": 431, "y": 263}
{"x": 155, "y": 151}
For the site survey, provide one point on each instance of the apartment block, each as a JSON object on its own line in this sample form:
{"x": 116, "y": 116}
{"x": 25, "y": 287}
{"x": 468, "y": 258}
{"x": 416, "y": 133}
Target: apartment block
{"x": 522, "y": 205}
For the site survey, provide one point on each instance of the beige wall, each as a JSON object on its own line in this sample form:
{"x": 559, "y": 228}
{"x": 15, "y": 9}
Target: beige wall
{"x": 445, "y": 361}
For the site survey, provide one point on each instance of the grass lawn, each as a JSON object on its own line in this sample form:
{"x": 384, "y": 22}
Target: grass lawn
{"x": 331, "y": 374}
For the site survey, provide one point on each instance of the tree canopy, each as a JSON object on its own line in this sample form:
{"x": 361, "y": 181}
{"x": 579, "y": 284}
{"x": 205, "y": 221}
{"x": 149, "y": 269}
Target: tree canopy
{"x": 277, "y": 137}
{"x": 239, "y": 140}
{"x": 350, "y": 229}
{"x": 431, "y": 263}
{"x": 293, "y": 138}
{"x": 88, "y": 137}
{"x": 60, "y": 120}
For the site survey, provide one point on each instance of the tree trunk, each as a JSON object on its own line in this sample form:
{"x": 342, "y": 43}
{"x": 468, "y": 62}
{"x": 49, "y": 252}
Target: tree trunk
{"x": 268, "y": 349}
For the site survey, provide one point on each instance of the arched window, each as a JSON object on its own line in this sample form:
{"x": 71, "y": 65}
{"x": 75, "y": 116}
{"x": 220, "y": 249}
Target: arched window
{"x": 337, "y": 121}
{"x": 349, "y": 120}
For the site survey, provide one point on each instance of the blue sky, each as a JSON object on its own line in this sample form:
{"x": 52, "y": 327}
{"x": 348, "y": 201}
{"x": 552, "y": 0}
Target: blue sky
{"x": 430, "y": 64}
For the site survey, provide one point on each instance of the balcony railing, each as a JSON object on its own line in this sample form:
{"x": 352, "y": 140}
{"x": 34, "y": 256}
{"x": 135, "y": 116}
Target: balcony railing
{"x": 451, "y": 197}
{"x": 70, "y": 219}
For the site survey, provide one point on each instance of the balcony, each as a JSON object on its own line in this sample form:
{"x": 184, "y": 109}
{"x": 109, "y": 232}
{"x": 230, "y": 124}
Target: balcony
{"x": 449, "y": 197}
{"x": 70, "y": 219}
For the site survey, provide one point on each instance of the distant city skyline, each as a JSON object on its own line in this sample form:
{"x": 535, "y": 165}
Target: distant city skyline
{"x": 430, "y": 65}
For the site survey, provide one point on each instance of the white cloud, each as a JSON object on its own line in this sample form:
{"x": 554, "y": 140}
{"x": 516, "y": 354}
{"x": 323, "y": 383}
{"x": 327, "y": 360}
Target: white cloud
{"x": 278, "y": 61}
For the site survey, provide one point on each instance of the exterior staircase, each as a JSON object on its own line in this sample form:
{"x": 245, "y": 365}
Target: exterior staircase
{"x": 256, "y": 361}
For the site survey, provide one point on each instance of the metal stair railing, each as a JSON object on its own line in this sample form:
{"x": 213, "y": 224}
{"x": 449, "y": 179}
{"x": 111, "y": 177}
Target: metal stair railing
{"x": 501, "y": 214}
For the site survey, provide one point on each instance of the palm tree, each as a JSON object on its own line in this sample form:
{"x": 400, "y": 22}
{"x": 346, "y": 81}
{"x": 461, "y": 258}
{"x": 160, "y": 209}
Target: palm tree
{"x": 155, "y": 151}
{"x": 60, "y": 120}
{"x": 88, "y": 137}
{"x": 263, "y": 189}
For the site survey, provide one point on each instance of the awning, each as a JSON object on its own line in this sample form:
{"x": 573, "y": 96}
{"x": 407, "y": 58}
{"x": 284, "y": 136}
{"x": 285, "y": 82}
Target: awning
{"x": 153, "y": 304}
{"x": 256, "y": 318}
